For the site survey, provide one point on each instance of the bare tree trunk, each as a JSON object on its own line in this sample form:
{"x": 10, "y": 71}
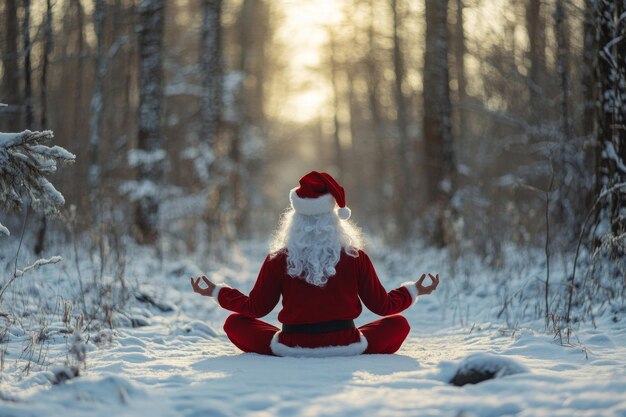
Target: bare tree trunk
{"x": 211, "y": 113}
{"x": 590, "y": 90}
{"x": 339, "y": 162}
{"x": 211, "y": 70}
{"x": 588, "y": 69}
{"x": 10, "y": 92}
{"x": 150, "y": 138}
{"x": 439, "y": 156}
{"x": 253, "y": 30}
{"x": 562, "y": 67}
{"x": 611, "y": 169}
{"x": 373, "y": 77}
{"x": 535, "y": 26}
{"x": 459, "y": 66}
{"x": 28, "y": 89}
{"x": 45, "y": 60}
{"x": 96, "y": 110}
{"x": 402, "y": 175}
{"x": 76, "y": 131}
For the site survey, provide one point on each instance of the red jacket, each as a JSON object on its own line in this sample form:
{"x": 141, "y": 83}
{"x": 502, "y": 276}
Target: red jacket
{"x": 340, "y": 299}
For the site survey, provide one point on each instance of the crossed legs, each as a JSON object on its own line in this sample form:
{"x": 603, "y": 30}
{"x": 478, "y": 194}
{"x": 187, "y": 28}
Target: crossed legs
{"x": 384, "y": 335}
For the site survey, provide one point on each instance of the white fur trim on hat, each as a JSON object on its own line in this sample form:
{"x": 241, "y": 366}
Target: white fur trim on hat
{"x": 353, "y": 349}
{"x": 311, "y": 206}
{"x": 410, "y": 286}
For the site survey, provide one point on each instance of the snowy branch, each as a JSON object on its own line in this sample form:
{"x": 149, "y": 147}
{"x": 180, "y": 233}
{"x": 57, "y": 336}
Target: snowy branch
{"x": 24, "y": 161}
{"x": 37, "y": 264}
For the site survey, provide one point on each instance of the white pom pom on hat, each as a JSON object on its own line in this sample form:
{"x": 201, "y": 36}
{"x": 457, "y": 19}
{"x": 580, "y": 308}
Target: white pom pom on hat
{"x": 344, "y": 213}
{"x": 319, "y": 193}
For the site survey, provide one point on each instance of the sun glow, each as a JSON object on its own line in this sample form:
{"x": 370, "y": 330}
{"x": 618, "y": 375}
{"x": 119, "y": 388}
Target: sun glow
{"x": 304, "y": 34}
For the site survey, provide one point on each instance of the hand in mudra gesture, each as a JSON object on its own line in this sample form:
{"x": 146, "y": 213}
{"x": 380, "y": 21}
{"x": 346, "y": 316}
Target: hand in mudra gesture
{"x": 427, "y": 289}
{"x": 208, "y": 291}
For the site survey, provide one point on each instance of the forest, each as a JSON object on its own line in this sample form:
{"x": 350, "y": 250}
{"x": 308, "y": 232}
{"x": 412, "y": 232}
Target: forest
{"x": 146, "y": 141}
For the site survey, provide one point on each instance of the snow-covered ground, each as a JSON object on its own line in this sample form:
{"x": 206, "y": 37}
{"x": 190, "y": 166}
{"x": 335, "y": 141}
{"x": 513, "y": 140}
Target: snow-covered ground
{"x": 180, "y": 363}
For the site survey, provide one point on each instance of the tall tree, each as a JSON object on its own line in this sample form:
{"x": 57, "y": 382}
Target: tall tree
{"x": 45, "y": 62}
{"x": 458, "y": 44}
{"x": 535, "y": 27}
{"x": 149, "y": 158}
{"x": 28, "y": 70}
{"x": 212, "y": 73}
{"x": 439, "y": 156}
{"x": 377, "y": 117}
{"x": 334, "y": 74}
{"x": 96, "y": 107}
{"x": 10, "y": 87}
{"x": 611, "y": 121}
{"x": 216, "y": 216}
{"x": 588, "y": 65}
{"x": 402, "y": 174}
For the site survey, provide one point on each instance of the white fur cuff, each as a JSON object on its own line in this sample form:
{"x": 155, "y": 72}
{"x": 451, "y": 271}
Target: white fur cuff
{"x": 311, "y": 206}
{"x": 353, "y": 349}
{"x": 218, "y": 288}
{"x": 410, "y": 286}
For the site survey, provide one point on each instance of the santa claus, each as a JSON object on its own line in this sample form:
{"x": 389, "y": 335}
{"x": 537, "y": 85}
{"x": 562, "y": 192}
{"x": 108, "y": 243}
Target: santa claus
{"x": 317, "y": 264}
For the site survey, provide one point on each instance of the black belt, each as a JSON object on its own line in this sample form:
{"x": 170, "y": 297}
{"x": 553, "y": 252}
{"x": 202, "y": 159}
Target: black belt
{"x": 323, "y": 327}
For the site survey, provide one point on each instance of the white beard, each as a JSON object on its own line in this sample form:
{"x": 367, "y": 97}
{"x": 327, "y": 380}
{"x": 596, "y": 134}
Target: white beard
{"x": 314, "y": 243}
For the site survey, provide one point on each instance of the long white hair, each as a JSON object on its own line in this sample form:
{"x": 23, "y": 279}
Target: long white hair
{"x": 313, "y": 244}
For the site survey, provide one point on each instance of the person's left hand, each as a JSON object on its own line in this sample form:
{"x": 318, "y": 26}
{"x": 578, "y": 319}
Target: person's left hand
{"x": 427, "y": 289}
{"x": 208, "y": 291}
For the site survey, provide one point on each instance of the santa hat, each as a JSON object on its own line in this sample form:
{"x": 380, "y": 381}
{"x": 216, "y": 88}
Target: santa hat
{"x": 318, "y": 193}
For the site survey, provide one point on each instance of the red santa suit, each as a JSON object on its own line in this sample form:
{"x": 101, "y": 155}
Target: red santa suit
{"x": 355, "y": 283}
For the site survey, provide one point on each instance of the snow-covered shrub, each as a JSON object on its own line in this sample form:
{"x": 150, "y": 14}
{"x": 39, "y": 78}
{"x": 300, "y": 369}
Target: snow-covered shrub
{"x": 25, "y": 159}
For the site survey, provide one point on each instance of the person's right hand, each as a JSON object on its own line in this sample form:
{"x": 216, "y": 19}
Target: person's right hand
{"x": 425, "y": 290}
{"x": 208, "y": 291}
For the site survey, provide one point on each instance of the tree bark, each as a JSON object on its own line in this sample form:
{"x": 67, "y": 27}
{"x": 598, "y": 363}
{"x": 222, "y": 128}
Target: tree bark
{"x": 378, "y": 124}
{"x": 339, "y": 161}
{"x": 150, "y": 137}
{"x": 211, "y": 70}
{"x": 403, "y": 207}
{"x": 96, "y": 108}
{"x": 28, "y": 71}
{"x": 439, "y": 156}
{"x": 588, "y": 69}
{"x": 459, "y": 67}
{"x": 43, "y": 123}
{"x": 611, "y": 121}
{"x": 217, "y": 216}
{"x": 10, "y": 62}
{"x": 535, "y": 27}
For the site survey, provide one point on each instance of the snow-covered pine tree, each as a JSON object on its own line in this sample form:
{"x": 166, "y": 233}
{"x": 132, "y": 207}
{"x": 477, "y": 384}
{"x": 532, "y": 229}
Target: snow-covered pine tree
{"x": 24, "y": 162}
{"x": 611, "y": 120}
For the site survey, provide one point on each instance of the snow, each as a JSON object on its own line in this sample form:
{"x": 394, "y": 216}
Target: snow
{"x": 140, "y": 157}
{"x": 4, "y": 230}
{"x": 610, "y": 153}
{"x": 54, "y": 152}
{"x": 177, "y": 361}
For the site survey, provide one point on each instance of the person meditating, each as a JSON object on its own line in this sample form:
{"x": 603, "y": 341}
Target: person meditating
{"x": 317, "y": 264}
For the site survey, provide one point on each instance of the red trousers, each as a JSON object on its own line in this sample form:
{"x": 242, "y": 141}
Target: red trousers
{"x": 252, "y": 335}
